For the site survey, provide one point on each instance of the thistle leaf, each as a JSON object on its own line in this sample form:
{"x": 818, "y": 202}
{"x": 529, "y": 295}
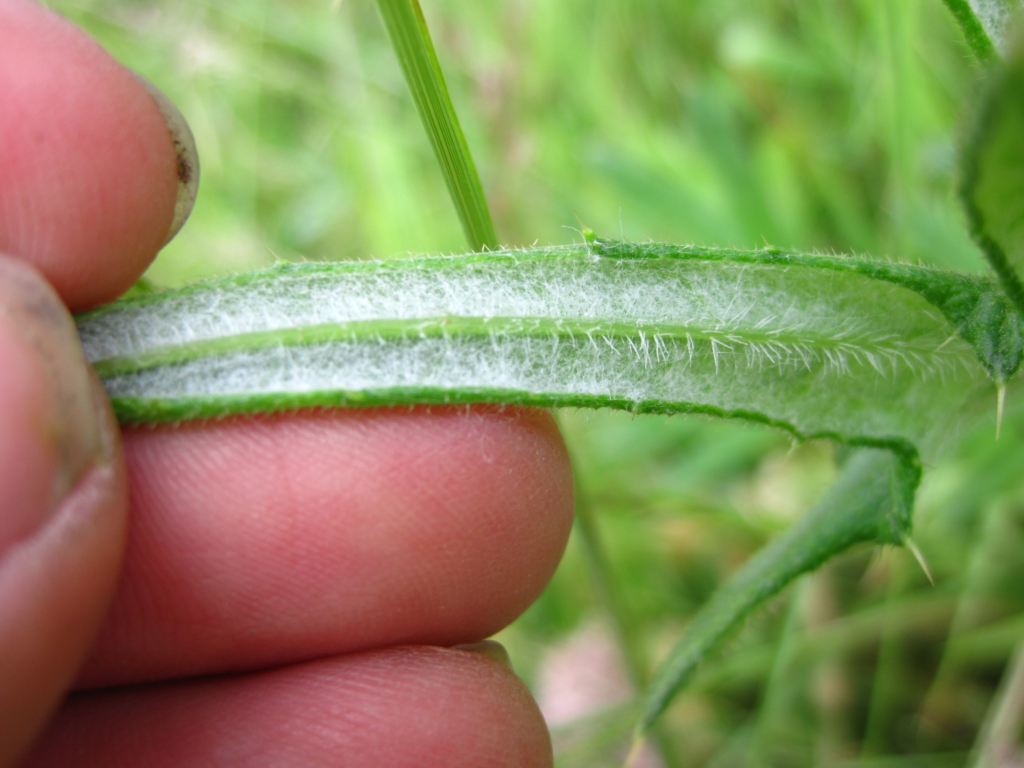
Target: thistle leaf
{"x": 996, "y": 18}
{"x": 865, "y": 352}
{"x": 871, "y": 501}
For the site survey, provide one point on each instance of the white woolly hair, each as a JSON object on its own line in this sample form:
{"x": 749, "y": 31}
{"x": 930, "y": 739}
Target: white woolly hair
{"x": 820, "y": 350}
{"x": 721, "y": 297}
{"x": 995, "y": 16}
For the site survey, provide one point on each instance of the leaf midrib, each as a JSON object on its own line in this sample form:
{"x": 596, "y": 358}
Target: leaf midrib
{"x": 782, "y": 343}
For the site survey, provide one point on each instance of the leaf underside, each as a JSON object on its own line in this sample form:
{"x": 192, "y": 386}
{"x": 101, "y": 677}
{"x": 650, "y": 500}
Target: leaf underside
{"x": 996, "y": 17}
{"x": 857, "y": 350}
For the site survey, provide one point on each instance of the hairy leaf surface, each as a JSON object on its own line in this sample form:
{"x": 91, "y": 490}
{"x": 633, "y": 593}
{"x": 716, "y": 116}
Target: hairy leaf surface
{"x": 976, "y": 33}
{"x": 862, "y": 351}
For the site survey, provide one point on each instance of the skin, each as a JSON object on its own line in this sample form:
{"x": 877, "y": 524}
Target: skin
{"x": 267, "y": 591}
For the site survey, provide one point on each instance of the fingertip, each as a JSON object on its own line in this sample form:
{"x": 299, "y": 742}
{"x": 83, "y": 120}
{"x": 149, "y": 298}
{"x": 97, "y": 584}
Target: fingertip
{"x": 90, "y": 179}
{"x": 55, "y": 587}
{"x": 404, "y": 706}
{"x": 260, "y": 542}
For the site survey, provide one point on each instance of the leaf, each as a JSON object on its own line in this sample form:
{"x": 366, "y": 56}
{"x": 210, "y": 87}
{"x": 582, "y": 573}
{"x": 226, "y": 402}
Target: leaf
{"x": 974, "y": 31}
{"x": 992, "y": 176}
{"x": 861, "y": 351}
{"x": 871, "y": 501}
{"x": 410, "y": 37}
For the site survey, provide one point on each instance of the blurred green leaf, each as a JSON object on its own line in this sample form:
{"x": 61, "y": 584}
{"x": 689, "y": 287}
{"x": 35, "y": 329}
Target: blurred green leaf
{"x": 993, "y": 175}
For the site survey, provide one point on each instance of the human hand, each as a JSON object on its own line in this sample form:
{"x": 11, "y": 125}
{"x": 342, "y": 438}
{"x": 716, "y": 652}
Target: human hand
{"x": 284, "y": 578}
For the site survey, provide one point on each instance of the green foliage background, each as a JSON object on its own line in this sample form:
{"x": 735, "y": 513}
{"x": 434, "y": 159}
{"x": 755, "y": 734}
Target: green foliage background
{"x": 807, "y": 124}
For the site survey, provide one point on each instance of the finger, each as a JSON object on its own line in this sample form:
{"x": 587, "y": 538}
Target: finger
{"x": 63, "y": 504}
{"x": 90, "y": 170}
{"x": 260, "y": 543}
{"x": 400, "y": 707}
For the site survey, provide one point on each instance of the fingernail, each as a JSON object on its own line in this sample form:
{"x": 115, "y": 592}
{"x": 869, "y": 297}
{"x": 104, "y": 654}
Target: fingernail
{"x": 185, "y": 151}
{"x": 49, "y": 424}
{"x": 491, "y": 648}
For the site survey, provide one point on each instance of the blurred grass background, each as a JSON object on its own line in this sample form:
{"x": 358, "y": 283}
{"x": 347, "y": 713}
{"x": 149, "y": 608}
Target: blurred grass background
{"x": 810, "y": 124}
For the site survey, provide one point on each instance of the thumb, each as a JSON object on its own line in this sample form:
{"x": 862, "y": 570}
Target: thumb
{"x": 63, "y": 505}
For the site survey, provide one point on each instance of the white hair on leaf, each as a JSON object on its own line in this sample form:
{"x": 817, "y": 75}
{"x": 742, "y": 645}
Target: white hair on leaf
{"x": 822, "y": 351}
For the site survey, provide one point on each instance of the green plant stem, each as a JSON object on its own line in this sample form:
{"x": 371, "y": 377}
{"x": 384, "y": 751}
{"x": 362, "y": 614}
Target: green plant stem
{"x": 608, "y": 596}
{"x": 992, "y": 174}
{"x": 410, "y": 37}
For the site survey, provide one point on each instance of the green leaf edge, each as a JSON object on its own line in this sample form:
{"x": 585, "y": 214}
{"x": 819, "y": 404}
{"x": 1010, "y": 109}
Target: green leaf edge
{"x": 975, "y": 36}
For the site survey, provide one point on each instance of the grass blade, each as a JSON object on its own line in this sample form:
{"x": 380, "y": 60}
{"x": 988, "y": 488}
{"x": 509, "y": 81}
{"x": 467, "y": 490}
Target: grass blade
{"x": 410, "y": 37}
{"x": 606, "y": 590}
